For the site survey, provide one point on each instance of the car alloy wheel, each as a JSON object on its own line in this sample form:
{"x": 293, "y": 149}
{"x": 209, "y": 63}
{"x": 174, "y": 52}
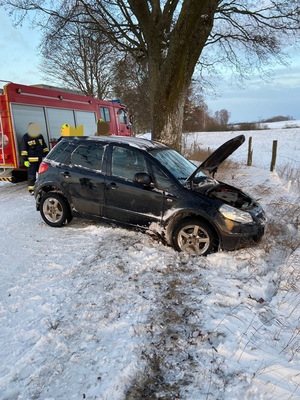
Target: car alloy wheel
{"x": 54, "y": 209}
{"x": 194, "y": 236}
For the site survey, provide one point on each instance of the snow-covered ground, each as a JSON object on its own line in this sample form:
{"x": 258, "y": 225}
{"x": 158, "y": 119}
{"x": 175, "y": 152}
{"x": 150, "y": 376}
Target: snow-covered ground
{"x": 94, "y": 312}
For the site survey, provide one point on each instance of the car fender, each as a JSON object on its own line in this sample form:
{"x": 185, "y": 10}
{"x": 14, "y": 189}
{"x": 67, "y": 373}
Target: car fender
{"x": 50, "y": 186}
{"x": 171, "y": 220}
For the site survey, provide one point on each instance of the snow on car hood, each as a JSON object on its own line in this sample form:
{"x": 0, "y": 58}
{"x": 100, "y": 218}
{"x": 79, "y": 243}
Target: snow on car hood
{"x": 212, "y": 163}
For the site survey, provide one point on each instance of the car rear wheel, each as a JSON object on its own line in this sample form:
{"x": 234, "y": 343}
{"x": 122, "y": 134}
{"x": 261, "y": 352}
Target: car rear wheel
{"x": 195, "y": 237}
{"x": 55, "y": 210}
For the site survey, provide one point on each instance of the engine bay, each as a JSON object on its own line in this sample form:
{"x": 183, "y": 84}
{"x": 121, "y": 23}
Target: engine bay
{"x": 231, "y": 196}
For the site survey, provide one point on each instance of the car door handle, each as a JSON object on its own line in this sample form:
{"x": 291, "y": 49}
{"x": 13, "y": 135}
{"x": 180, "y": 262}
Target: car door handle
{"x": 112, "y": 185}
{"x": 66, "y": 174}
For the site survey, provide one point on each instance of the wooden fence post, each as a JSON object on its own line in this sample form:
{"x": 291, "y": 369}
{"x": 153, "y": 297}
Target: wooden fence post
{"x": 274, "y": 154}
{"x": 250, "y": 152}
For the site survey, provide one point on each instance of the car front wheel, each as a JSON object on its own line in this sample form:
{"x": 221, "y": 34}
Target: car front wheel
{"x": 195, "y": 237}
{"x": 55, "y": 210}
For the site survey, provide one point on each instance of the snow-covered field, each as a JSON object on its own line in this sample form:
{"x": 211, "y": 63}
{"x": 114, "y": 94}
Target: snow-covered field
{"x": 95, "y": 312}
{"x": 288, "y": 145}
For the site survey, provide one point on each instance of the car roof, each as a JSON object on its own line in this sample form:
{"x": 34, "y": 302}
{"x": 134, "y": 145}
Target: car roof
{"x": 137, "y": 142}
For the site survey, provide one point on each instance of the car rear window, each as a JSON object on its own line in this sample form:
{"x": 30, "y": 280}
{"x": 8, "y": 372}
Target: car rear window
{"x": 61, "y": 151}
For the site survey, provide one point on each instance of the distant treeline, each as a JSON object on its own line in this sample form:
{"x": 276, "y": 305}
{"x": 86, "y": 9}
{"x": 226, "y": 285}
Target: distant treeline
{"x": 262, "y": 124}
{"x": 278, "y": 118}
{"x": 199, "y": 119}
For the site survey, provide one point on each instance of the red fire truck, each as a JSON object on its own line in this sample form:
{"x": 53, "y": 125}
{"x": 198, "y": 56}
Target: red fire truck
{"x": 51, "y": 108}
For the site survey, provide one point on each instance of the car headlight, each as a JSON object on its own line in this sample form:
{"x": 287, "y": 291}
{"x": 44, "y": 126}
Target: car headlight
{"x": 235, "y": 215}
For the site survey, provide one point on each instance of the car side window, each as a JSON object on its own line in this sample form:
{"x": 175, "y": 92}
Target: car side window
{"x": 88, "y": 155}
{"x": 161, "y": 180}
{"x": 127, "y": 162}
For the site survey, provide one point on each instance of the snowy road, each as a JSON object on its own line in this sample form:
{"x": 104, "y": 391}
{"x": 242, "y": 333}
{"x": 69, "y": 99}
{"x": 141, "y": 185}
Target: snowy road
{"x": 93, "y": 312}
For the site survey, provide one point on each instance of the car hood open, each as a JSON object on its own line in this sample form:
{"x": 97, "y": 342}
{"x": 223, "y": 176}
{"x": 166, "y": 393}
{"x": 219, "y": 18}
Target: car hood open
{"x": 212, "y": 163}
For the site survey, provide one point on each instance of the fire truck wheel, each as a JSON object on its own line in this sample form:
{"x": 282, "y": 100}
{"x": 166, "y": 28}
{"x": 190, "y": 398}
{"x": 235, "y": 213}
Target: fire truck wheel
{"x": 55, "y": 210}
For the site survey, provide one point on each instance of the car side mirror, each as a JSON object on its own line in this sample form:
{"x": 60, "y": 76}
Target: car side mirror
{"x": 143, "y": 179}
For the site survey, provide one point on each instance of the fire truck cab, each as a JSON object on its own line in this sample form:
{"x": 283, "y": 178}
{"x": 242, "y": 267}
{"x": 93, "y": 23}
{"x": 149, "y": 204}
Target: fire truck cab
{"x": 50, "y": 108}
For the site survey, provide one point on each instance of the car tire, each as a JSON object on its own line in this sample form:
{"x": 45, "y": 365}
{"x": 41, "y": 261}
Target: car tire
{"x": 194, "y": 236}
{"x": 55, "y": 210}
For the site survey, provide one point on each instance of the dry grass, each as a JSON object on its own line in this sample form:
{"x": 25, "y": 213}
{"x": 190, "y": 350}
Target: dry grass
{"x": 196, "y": 154}
{"x": 291, "y": 174}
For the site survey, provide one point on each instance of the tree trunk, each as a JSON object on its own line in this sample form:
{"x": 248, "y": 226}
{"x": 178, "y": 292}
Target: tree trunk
{"x": 171, "y": 70}
{"x": 168, "y": 120}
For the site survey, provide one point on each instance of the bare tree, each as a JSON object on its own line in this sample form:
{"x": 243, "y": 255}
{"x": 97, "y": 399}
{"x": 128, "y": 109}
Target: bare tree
{"x": 172, "y": 37}
{"x": 222, "y": 118}
{"x": 195, "y": 111}
{"x": 131, "y": 84}
{"x": 78, "y": 58}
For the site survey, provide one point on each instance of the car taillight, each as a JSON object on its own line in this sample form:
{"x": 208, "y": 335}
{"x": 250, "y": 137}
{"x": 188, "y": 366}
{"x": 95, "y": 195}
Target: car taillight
{"x": 43, "y": 167}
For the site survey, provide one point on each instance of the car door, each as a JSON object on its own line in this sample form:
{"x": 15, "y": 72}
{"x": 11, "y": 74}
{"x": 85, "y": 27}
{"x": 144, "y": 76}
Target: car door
{"x": 125, "y": 200}
{"x": 83, "y": 178}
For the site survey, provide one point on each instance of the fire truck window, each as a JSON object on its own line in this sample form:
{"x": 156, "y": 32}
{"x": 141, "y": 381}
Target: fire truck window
{"x": 88, "y": 120}
{"x": 23, "y": 114}
{"x": 58, "y": 117}
{"x": 122, "y": 116}
{"x": 104, "y": 112}
{"x": 89, "y": 156}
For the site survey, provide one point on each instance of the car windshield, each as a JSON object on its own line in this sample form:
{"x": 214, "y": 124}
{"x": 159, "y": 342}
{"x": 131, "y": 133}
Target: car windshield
{"x": 180, "y": 167}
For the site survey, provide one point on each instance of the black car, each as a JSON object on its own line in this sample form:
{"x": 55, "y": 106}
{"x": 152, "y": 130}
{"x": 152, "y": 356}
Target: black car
{"x": 143, "y": 184}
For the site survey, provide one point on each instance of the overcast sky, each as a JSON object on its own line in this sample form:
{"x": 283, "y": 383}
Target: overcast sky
{"x": 257, "y": 101}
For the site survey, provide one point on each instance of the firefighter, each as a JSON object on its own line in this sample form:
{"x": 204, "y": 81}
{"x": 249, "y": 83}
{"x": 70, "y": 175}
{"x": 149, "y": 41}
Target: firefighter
{"x": 33, "y": 150}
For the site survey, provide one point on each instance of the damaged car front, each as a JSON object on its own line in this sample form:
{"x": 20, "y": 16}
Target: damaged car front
{"x": 241, "y": 214}
{"x": 221, "y": 216}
